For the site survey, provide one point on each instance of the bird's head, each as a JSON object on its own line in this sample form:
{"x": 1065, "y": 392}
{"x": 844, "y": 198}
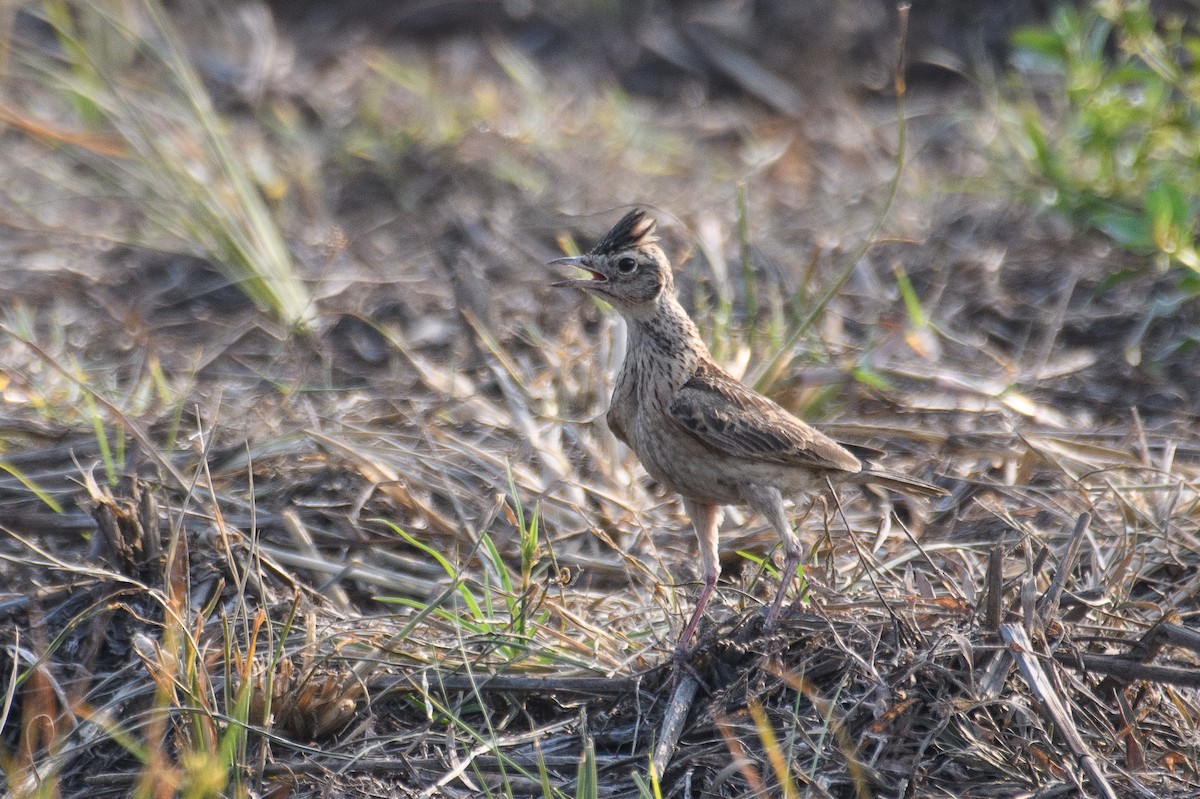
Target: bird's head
{"x": 628, "y": 268}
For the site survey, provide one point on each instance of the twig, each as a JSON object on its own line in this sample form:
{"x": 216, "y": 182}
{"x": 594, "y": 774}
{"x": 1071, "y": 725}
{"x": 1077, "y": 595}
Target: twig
{"x": 543, "y": 686}
{"x": 993, "y": 614}
{"x": 672, "y": 724}
{"x": 1129, "y": 669}
{"x": 1145, "y": 650}
{"x": 1177, "y": 634}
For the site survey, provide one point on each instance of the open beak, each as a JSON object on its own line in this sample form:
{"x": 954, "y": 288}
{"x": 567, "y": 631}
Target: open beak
{"x": 580, "y": 261}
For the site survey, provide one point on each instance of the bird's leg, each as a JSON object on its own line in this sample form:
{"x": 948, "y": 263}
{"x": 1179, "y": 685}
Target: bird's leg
{"x": 769, "y": 502}
{"x": 705, "y": 520}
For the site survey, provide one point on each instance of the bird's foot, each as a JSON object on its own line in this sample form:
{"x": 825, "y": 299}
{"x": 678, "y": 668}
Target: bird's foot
{"x": 790, "y": 568}
{"x": 771, "y": 622}
{"x": 776, "y": 614}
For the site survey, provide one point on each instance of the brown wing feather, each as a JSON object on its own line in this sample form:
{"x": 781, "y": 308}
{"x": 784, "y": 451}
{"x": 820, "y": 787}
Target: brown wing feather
{"x": 731, "y": 418}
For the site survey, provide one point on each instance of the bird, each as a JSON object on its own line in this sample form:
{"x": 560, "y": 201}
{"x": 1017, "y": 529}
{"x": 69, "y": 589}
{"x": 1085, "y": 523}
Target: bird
{"x": 696, "y": 429}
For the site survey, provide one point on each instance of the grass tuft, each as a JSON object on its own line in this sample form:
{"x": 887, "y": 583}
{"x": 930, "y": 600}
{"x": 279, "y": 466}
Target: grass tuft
{"x": 1102, "y": 115}
{"x": 151, "y": 133}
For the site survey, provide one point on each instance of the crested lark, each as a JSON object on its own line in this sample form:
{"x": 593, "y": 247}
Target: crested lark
{"x": 696, "y": 429}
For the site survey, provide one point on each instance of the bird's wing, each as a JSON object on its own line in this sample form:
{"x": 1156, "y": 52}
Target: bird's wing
{"x": 732, "y": 419}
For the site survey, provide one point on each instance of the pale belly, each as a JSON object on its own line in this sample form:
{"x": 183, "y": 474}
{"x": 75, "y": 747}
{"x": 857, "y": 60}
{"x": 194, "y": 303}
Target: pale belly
{"x": 684, "y": 465}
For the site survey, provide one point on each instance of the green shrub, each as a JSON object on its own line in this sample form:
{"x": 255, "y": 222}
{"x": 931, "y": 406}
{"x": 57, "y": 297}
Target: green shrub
{"x": 1106, "y": 125}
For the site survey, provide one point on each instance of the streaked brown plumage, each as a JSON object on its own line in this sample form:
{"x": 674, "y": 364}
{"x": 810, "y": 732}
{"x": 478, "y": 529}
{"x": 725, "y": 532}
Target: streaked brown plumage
{"x": 696, "y": 429}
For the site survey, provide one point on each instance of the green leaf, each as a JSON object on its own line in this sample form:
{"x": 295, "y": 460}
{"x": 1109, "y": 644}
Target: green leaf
{"x": 917, "y": 317}
{"x": 1124, "y": 226}
{"x": 28, "y": 482}
{"x": 451, "y": 572}
{"x": 1113, "y": 138}
{"x": 587, "y": 784}
{"x": 1039, "y": 48}
{"x": 871, "y": 378}
{"x": 1166, "y": 211}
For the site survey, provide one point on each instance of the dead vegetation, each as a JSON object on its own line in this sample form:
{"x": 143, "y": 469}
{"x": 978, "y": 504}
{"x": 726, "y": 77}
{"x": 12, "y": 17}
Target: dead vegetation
{"x": 398, "y": 554}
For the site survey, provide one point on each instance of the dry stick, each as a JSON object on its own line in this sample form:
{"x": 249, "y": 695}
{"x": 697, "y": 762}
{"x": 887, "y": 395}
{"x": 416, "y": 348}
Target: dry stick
{"x": 996, "y": 661}
{"x": 1179, "y": 635}
{"x": 1049, "y": 602}
{"x": 542, "y": 686}
{"x": 1146, "y": 649}
{"x": 672, "y": 724}
{"x": 1124, "y": 669}
{"x": 994, "y": 612}
{"x": 1052, "y": 705}
{"x": 1155, "y": 639}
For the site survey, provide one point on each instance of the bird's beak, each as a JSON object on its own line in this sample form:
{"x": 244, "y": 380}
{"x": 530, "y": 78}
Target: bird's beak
{"x": 580, "y": 261}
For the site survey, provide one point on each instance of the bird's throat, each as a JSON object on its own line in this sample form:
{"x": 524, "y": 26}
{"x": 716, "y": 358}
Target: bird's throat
{"x": 668, "y": 333}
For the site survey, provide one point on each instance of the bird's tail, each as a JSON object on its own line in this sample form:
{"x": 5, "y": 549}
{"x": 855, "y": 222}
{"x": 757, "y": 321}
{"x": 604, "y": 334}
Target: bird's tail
{"x": 902, "y": 483}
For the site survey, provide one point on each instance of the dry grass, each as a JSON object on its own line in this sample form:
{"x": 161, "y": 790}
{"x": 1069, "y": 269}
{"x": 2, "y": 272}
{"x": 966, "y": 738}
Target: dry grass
{"x": 402, "y": 556}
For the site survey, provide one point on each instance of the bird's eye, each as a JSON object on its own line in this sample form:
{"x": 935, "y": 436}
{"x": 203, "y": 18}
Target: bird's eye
{"x": 626, "y": 265}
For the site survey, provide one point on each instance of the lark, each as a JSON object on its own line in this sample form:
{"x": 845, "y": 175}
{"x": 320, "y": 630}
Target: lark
{"x": 696, "y": 429}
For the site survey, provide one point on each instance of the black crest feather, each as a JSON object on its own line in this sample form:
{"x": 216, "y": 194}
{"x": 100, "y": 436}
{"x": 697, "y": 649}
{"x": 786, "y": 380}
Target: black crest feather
{"x": 635, "y": 228}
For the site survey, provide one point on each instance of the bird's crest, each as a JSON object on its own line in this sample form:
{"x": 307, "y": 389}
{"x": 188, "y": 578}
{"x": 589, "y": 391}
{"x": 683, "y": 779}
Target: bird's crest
{"x": 634, "y": 230}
